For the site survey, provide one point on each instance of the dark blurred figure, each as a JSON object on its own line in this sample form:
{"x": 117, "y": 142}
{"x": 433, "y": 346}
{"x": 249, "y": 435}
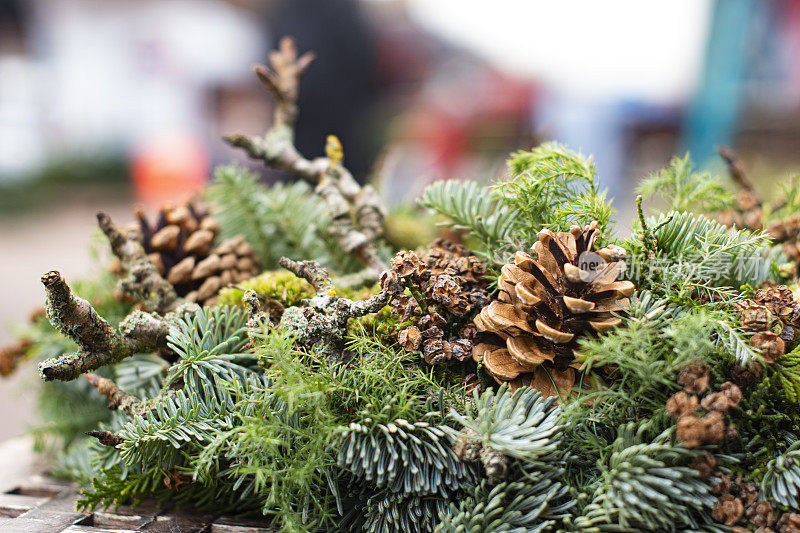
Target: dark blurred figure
{"x": 340, "y": 90}
{"x": 12, "y": 26}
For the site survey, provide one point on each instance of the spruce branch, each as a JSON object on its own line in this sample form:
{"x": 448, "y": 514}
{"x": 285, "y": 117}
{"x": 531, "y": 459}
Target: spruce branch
{"x": 100, "y": 343}
{"x": 356, "y": 212}
{"x": 145, "y": 283}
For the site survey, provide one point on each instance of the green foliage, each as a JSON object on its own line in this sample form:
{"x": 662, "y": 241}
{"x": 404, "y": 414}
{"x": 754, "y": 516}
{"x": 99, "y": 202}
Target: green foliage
{"x": 684, "y": 189}
{"x": 403, "y": 457}
{"x": 280, "y": 285}
{"x": 516, "y": 507}
{"x": 781, "y": 482}
{"x": 522, "y": 425}
{"x": 552, "y": 186}
{"x": 646, "y": 485}
{"x": 787, "y": 369}
{"x": 697, "y": 256}
{"x": 279, "y": 220}
{"x": 468, "y": 206}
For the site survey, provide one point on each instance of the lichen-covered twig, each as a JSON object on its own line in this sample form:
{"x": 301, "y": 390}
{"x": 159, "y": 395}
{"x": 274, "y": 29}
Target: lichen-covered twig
{"x": 144, "y": 283}
{"x": 311, "y": 271}
{"x": 322, "y": 322}
{"x": 356, "y": 212}
{"x": 118, "y": 399}
{"x": 100, "y": 343}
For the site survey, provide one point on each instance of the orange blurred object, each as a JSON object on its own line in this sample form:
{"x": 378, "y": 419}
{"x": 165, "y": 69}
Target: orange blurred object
{"x": 169, "y": 167}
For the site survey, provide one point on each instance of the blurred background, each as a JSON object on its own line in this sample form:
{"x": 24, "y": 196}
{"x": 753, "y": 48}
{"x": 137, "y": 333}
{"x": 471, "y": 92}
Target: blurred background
{"x": 104, "y": 103}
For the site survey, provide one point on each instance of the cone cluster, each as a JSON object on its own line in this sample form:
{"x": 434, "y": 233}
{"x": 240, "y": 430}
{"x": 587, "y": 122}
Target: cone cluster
{"x": 182, "y": 244}
{"x": 529, "y": 333}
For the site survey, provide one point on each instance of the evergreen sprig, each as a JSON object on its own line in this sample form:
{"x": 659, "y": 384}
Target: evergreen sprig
{"x": 781, "y": 481}
{"x": 685, "y": 189}
{"x": 645, "y": 485}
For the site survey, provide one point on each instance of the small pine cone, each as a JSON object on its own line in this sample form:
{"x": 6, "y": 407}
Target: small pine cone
{"x": 789, "y": 523}
{"x": 770, "y": 345}
{"x": 681, "y": 403}
{"x": 747, "y": 375}
{"x": 410, "y": 338}
{"x": 760, "y": 514}
{"x": 721, "y": 484}
{"x": 433, "y": 332}
{"x": 777, "y": 230}
{"x": 432, "y": 320}
{"x": 728, "y": 510}
{"x": 695, "y": 377}
{"x": 755, "y": 316}
{"x": 495, "y": 464}
{"x": 747, "y": 492}
{"x": 704, "y": 465}
{"x": 436, "y": 351}
{"x": 461, "y": 349}
{"x": 407, "y": 264}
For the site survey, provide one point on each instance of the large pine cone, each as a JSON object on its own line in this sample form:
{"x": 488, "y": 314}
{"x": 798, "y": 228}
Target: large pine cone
{"x": 182, "y": 244}
{"x": 546, "y": 304}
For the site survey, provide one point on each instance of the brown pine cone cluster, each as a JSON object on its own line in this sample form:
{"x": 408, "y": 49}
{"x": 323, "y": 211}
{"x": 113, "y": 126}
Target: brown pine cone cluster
{"x": 529, "y": 334}
{"x": 769, "y": 309}
{"x": 444, "y": 281}
{"x": 702, "y": 421}
{"x": 182, "y": 244}
{"x": 738, "y": 499}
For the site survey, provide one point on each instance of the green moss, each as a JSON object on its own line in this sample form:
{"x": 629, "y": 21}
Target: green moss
{"x": 278, "y": 284}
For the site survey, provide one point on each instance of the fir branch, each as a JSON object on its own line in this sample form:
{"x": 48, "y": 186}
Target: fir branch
{"x": 522, "y": 425}
{"x": 685, "y": 189}
{"x": 645, "y": 485}
{"x": 468, "y": 206}
{"x": 403, "y": 457}
{"x": 781, "y": 481}
{"x": 552, "y": 186}
{"x": 517, "y": 507}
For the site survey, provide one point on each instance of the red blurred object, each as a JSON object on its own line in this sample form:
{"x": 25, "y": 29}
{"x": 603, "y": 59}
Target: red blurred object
{"x": 169, "y": 167}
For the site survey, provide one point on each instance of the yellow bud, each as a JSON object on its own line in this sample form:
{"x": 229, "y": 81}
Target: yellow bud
{"x": 333, "y": 150}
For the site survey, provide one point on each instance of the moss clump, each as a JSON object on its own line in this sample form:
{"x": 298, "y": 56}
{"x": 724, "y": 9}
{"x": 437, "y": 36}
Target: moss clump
{"x": 278, "y": 284}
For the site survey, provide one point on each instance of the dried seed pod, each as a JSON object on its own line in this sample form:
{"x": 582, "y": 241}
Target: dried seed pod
{"x": 761, "y": 514}
{"x": 681, "y": 403}
{"x": 704, "y": 465}
{"x": 410, "y": 338}
{"x": 695, "y": 377}
{"x": 789, "y": 523}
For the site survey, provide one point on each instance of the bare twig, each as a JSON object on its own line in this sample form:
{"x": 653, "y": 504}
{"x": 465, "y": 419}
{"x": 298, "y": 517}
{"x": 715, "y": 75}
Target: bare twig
{"x": 100, "y": 343}
{"x": 356, "y": 212}
{"x": 736, "y": 170}
{"x": 106, "y": 438}
{"x": 144, "y": 283}
{"x": 118, "y": 399}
